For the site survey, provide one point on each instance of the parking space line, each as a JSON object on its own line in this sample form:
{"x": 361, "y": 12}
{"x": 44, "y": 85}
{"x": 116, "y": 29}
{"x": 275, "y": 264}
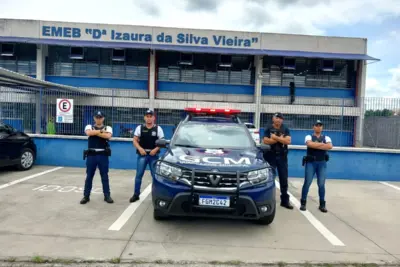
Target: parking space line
{"x": 120, "y": 222}
{"x": 392, "y": 186}
{"x": 28, "y": 178}
{"x": 314, "y": 221}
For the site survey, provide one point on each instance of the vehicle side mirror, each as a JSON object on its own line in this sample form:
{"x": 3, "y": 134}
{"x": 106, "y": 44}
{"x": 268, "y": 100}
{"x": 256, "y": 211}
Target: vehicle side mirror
{"x": 264, "y": 147}
{"x": 162, "y": 143}
{"x": 11, "y": 131}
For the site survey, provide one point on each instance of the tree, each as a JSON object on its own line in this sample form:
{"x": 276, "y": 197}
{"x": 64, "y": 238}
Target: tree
{"x": 379, "y": 113}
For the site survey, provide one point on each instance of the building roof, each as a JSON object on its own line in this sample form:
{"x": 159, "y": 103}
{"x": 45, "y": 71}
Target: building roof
{"x": 185, "y": 40}
{"x": 16, "y": 80}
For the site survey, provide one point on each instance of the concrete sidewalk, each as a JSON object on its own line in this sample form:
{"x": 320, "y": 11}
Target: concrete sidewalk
{"x": 41, "y": 218}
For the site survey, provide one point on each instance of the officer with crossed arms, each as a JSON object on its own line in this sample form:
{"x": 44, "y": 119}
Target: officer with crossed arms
{"x": 97, "y": 156}
{"x": 315, "y": 161}
{"x": 277, "y": 135}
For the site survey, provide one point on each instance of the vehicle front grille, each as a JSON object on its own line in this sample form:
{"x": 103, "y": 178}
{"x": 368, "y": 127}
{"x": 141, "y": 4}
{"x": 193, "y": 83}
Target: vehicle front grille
{"x": 215, "y": 179}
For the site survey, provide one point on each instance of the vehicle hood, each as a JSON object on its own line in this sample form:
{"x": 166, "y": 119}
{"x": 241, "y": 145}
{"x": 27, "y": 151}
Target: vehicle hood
{"x": 216, "y": 159}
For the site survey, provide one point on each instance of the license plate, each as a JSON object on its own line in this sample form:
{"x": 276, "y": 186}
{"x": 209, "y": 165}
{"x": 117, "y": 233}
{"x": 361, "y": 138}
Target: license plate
{"x": 214, "y": 201}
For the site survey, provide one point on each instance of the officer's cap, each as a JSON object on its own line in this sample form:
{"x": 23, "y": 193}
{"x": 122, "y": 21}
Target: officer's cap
{"x": 318, "y": 122}
{"x": 149, "y": 112}
{"x": 278, "y": 115}
{"x": 99, "y": 114}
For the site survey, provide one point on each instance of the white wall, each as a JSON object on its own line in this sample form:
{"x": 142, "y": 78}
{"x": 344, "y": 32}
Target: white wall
{"x": 116, "y": 92}
{"x": 206, "y": 97}
{"x": 314, "y": 43}
{"x": 302, "y": 100}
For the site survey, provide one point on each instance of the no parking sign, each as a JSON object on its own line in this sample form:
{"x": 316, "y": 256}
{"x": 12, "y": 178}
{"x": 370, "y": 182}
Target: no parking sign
{"x": 65, "y": 110}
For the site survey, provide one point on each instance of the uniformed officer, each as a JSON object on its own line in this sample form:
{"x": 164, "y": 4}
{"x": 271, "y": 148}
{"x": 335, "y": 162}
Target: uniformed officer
{"x": 97, "y": 156}
{"x": 277, "y": 135}
{"x": 315, "y": 163}
{"x": 144, "y": 141}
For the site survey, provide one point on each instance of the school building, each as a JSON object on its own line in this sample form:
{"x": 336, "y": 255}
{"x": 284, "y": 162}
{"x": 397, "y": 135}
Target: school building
{"x": 125, "y": 69}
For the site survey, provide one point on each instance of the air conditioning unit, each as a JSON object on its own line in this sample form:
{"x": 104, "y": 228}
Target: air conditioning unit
{"x": 7, "y": 50}
{"x": 289, "y": 63}
{"x": 328, "y": 65}
{"x": 118, "y": 54}
{"x": 186, "y": 59}
{"x": 225, "y": 61}
{"x": 76, "y": 53}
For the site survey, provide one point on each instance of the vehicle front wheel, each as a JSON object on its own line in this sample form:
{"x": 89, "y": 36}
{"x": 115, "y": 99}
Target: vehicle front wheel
{"x": 158, "y": 215}
{"x": 26, "y": 159}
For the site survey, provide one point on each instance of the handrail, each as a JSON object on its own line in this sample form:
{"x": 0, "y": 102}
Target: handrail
{"x": 294, "y": 147}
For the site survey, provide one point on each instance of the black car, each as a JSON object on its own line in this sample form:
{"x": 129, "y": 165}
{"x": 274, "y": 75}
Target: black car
{"x": 16, "y": 148}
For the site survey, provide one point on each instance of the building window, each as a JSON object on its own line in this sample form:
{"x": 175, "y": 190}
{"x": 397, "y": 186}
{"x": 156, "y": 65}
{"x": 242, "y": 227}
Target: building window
{"x": 205, "y": 68}
{"x": 19, "y": 58}
{"x": 316, "y": 73}
{"x": 98, "y": 63}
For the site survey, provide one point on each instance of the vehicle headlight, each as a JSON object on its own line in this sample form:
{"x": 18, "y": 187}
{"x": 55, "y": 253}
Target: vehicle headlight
{"x": 259, "y": 176}
{"x": 168, "y": 171}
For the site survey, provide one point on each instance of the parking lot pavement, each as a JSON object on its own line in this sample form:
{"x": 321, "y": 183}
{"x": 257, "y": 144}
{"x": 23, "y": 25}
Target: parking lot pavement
{"x": 9, "y": 174}
{"x": 41, "y": 216}
{"x": 368, "y": 208}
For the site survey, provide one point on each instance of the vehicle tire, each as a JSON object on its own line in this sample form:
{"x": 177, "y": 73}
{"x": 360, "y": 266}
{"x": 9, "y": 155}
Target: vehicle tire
{"x": 158, "y": 215}
{"x": 267, "y": 219}
{"x": 26, "y": 160}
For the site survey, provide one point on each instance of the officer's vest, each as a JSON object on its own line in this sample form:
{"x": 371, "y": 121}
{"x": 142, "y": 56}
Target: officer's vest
{"x": 278, "y": 147}
{"x": 96, "y": 141}
{"x": 318, "y": 154}
{"x": 148, "y": 137}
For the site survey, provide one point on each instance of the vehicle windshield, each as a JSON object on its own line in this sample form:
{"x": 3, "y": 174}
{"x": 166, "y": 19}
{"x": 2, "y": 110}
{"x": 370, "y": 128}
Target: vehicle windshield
{"x": 250, "y": 126}
{"x": 213, "y": 136}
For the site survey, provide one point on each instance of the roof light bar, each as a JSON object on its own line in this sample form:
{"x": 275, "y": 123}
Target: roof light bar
{"x": 213, "y": 110}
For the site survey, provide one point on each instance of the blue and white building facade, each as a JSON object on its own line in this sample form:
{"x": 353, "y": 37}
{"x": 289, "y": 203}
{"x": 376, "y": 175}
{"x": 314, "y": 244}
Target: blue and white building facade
{"x": 168, "y": 69}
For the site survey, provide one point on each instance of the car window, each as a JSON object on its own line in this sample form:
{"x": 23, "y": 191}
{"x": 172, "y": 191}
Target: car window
{"x": 213, "y": 136}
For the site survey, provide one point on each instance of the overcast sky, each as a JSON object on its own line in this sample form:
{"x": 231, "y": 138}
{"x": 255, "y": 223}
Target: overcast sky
{"x": 379, "y": 21}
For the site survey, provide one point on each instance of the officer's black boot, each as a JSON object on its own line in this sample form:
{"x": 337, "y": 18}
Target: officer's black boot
{"x": 303, "y": 205}
{"x": 286, "y": 203}
{"x": 108, "y": 199}
{"x": 134, "y": 198}
{"x": 85, "y": 200}
{"x": 322, "y": 206}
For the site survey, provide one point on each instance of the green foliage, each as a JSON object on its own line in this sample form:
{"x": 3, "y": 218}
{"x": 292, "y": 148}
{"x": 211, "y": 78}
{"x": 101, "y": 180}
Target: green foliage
{"x": 379, "y": 113}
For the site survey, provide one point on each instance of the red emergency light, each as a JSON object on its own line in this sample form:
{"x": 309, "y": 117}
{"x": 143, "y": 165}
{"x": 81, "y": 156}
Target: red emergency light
{"x": 213, "y": 110}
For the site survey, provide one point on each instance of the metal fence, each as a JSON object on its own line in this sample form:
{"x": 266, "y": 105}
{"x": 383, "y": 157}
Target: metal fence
{"x": 382, "y": 132}
{"x": 382, "y": 123}
{"x": 36, "y": 112}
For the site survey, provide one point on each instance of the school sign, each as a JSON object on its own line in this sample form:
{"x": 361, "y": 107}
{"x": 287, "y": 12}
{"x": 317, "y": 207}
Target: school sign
{"x": 161, "y": 38}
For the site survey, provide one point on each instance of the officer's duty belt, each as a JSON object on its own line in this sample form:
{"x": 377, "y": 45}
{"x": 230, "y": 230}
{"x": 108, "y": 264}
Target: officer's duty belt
{"x": 93, "y": 152}
{"x": 309, "y": 158}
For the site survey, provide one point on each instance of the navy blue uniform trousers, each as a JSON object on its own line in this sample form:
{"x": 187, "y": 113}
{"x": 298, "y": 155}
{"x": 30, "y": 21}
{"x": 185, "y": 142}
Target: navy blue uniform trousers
{"x": 92, "y": 162}
{"x": 279, "y": 162}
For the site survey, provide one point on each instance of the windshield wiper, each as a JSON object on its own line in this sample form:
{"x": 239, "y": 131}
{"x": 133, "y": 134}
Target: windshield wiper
{"x": 183, "y": 145}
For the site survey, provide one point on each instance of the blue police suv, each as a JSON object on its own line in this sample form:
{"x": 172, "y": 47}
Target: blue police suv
{"x": 213, "y": 168}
